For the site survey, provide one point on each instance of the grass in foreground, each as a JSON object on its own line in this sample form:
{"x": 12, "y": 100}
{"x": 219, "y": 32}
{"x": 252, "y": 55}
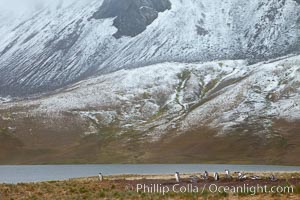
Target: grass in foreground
{"x": 124, "y": 187}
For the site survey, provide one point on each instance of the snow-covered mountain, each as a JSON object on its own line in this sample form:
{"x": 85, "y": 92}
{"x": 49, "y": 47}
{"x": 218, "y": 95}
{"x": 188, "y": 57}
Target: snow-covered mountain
{"x": 81, "y": 78}
{"x": 68, "y": 41}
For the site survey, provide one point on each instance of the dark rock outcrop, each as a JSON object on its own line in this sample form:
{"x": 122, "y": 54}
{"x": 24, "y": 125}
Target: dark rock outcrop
{"x": 132, "y": 16}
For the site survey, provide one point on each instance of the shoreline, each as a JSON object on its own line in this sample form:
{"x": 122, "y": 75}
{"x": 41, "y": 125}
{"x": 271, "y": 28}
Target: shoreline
{"x": 42, "y": 173}
{"x": 166, "y": 176}
{"x": 154, "y": 176}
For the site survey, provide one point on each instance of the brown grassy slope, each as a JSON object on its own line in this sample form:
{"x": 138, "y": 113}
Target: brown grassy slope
{"x": 37, "y": 142}
{"x": 204, "y": 145}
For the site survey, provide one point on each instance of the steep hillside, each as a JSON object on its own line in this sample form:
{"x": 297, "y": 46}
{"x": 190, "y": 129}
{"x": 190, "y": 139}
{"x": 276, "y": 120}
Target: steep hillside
{"x": 72, "y": 40}
{"x": 165, "y": 109}
{"x": 127, "y": 81}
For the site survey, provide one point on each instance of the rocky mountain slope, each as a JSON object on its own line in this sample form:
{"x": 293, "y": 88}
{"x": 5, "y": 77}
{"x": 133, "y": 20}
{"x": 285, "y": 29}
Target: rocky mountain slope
{"x": 177, "y": 96}
{"x": 73, "y": 40}
{"x": 139, "y": 81}
{"x": 224, "y": 101}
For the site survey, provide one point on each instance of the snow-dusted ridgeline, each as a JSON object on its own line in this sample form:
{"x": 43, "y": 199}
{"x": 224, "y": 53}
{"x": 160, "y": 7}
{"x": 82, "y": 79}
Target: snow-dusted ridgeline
{"x": 63, "y": 44}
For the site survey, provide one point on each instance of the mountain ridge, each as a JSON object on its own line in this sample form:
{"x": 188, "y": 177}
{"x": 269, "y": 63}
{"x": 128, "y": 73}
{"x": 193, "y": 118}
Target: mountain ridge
{"x": 64, "y": 45}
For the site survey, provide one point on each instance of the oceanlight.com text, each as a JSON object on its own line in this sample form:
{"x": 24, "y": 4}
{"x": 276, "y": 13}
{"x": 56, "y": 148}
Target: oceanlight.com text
{"x": 213, "y": 188}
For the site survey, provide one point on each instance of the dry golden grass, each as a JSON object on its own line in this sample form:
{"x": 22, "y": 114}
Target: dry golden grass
{"x": 115, "y": 187}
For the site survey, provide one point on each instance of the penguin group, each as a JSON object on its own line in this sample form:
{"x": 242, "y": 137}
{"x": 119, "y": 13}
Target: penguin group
{"x": 216, "y": 177}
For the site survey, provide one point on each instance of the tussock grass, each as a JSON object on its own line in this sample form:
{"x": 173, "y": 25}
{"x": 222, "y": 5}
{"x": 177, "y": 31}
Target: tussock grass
{"x": 113, "y": 187}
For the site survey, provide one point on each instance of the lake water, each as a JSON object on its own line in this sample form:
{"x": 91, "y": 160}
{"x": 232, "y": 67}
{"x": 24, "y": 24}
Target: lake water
{"x": 35, "y": 173}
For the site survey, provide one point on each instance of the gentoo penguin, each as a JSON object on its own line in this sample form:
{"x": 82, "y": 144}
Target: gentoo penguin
{"x": 216, "y": 176}
{"x": 227, "y": 174}
{"x": 100, "y": 177}
{"x": 194, "y": 179}
{"x": 177, "y": 177}
{"x": 273, "y": 178}
{"x": 206, "y": 175}
{"x": 254, "y": 177}
{"x": 241, "y": 176}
